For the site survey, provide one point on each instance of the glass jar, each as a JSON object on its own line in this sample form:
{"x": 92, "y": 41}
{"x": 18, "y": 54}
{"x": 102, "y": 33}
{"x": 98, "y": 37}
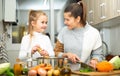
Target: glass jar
{"x": 65, "y": 70}
{"x": 18, "y": 67}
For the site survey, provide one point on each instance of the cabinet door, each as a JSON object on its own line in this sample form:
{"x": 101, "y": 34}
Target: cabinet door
{"x": 103, "y": 10}
{"x": 109, "y": 9}
{"x": 91, "y": 12}
{"x": 116, "y": 4}
{"x": 98, "y": 14}
{"x": 10, "y": 11}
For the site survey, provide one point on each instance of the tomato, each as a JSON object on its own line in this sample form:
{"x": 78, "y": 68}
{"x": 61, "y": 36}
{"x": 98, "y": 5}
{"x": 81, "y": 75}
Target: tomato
{"x": 42, "y": 72}
{"x": 32, "y": 73}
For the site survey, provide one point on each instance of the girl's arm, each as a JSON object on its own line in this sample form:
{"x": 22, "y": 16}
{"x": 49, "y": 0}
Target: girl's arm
{"x": 23, "y": 49}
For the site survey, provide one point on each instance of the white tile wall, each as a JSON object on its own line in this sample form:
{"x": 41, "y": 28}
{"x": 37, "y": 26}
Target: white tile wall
{"x": 12, "y": 54}
{"x": 115, "y": 42}
{"x": 111, "y": 36}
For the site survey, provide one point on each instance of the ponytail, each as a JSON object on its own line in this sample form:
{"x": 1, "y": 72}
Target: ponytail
{"x": 84, "y": 12}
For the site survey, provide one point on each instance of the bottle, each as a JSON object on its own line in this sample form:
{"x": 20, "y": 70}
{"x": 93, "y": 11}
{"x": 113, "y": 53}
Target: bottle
{"x": 17, "y": 68}
{"x": 29, "y": 60}
{"x": 65, "y": 71}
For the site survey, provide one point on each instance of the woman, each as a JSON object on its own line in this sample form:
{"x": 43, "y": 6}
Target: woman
{"x": 78, "y": 41}
{"x": 36, "y": 40}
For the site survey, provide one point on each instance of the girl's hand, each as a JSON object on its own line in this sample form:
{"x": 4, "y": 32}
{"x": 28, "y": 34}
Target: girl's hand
{"x": 41, "y": 51}
{"x": 44, "y": 53}
{"x": 35, "y": 48}
{"x": 72, "y": 57}
{"x": 93, "y": 63}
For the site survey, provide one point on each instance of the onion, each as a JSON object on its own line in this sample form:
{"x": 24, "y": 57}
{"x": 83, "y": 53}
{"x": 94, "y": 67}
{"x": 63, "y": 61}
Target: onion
{"x": 42, "y": 72}
{"x": 32, "y": 73}
{"x": 56, "y": 72}
{"x": 49, "y": 72}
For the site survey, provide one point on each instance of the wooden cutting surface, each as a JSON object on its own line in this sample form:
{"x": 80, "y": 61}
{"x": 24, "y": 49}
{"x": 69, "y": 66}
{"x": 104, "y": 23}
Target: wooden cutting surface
{"x": 115, "y": 72}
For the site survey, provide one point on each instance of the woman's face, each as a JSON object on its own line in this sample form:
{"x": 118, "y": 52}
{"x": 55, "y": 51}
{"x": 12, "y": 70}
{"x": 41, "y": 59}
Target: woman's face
{"x": 41, "y": 24}
{"x": 70, "y": 21}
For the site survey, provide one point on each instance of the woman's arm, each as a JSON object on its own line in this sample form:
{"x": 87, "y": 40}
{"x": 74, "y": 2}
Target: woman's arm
{"x": 59, "y": 52}
{"x": 98, "y": 54}
{"x": 59, "y": 49}
{"x": 97, "y": 49}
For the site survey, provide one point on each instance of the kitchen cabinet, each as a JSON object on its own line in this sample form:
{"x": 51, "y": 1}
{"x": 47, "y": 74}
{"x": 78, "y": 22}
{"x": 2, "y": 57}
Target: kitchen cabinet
{"x": 102, "y": 10}
{"x": 10, "y": 10}
{"x": 91, "y": 12}
{"x": 116, "y": 5}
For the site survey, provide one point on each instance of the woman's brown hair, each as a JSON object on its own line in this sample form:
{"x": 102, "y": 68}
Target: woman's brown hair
{"x": 77, "y": 9}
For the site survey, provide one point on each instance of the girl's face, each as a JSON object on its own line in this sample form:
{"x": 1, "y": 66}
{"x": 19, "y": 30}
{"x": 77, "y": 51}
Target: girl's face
{"x": 41, "y": 24}
{"x": 70, "y": 21}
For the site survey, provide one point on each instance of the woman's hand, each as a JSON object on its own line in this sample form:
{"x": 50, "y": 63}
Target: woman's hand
{"x": 93, "y": 62}
{"x": 72, "y": 57}
{"x": 41, "y": 51}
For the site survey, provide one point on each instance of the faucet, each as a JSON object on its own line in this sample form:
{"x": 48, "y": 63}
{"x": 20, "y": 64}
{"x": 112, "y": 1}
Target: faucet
{"x": 106, "y": 48}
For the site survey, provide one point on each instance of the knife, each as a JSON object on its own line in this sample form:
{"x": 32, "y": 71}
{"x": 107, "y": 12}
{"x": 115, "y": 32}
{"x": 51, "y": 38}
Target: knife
{"x": 84, "y": 65}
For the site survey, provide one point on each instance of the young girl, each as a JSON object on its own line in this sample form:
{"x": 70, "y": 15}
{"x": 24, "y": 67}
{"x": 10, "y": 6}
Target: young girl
{"x": 36, "y": 41}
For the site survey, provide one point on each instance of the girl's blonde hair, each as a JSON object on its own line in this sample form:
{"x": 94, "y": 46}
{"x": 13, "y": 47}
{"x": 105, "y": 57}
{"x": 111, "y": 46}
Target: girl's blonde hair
{"x": 33, "y": 16}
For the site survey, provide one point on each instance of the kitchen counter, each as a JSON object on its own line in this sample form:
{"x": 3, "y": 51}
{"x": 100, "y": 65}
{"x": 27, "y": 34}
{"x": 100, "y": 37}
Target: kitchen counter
{"x": 85, "y": 75}
{"x": 79, "y": 75}
{"x": 71, "y": 75}
{"x": 113, "y": 73}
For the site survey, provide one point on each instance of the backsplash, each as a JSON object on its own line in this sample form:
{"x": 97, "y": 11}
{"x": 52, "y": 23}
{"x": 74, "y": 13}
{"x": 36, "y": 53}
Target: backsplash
{"x": 12, "y": 54}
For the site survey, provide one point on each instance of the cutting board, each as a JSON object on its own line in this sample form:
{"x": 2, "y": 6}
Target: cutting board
{"x": 115, "y": 72}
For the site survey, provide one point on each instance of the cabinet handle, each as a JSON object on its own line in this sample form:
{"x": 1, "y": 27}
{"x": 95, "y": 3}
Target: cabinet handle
{"x": 102, "y": 5}
{"x": 118, "y": 6}
{"x": 118, "y": 11}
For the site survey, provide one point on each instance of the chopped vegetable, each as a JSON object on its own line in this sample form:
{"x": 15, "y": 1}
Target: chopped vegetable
{"x": 9, "y": 73}
{"x": 25, "y": 71}
{"x": 4, "y": 67}
{"x": 85, "y": 70}
{"x": 104, "y": 66}
{"x": 116, "y": 62}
